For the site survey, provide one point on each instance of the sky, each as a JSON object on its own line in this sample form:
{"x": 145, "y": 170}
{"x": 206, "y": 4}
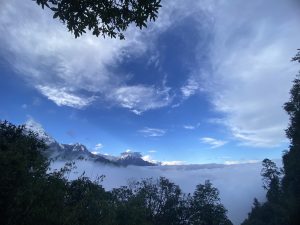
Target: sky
{"x": 205, "y": 83}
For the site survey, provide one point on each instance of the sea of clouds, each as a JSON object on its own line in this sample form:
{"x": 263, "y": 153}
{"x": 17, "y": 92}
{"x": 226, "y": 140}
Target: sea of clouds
{"x": 238, "y": 184}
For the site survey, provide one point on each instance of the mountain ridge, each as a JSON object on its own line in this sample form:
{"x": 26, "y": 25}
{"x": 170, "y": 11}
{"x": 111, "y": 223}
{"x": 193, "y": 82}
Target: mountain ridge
{"x": 78, "y": 151}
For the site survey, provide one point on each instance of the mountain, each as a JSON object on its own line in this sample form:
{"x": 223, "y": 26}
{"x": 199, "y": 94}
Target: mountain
{"x": 133, "y": 158}
{"x": 77, "y": 151}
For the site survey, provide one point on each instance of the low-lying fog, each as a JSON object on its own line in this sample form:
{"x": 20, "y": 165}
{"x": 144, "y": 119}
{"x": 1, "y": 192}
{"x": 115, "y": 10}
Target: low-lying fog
{"x": 238, "y": 184}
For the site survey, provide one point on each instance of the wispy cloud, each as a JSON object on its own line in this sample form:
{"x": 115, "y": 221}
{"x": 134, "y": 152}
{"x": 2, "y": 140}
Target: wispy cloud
{"x": 173, "y": 163}
{"x": 46, "y": 55}
{"x": 152, "y": 132}
{"x": 152, "y": 151}
{"x": 141, "y": 98}
{"x": 251, "y": 69}
{"x": 236, "y": 162}
{"x": 62, "y": 97}
{"x": 98, "y": 146}
{"x": 189, "y": 127}
{"x": 214, "y": 143}
{"x": 191, "y": 87}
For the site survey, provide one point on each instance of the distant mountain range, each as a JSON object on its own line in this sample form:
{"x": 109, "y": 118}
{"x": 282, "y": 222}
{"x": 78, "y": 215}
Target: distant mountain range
{"x": 69, "y": 152}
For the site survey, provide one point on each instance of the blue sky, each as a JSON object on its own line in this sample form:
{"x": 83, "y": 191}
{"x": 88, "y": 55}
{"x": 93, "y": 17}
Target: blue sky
{"x": 205, "y": 83}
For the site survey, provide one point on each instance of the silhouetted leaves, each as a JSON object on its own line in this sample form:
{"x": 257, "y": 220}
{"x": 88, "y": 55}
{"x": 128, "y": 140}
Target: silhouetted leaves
{"x": 102, "y": 17}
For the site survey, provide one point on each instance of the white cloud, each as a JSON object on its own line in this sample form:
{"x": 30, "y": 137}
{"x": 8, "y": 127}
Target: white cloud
{"x": 140, "y": 98}
{"x": 235, "y": 162}
{"x": 152, "y": 151}
{"x": 149, "y": 158}
{"x": 214, "y": 143}
{"x": 152, "y": 132}
{"x": 98, "y": 146}
{"x": 62, "y": 97}
{"x": 189, "y": 127}
{"x": 45, "y": 54}
{"x": 191, "y": 87}
{"x": 251, "y": 69}
{"x": 172, "y": 163}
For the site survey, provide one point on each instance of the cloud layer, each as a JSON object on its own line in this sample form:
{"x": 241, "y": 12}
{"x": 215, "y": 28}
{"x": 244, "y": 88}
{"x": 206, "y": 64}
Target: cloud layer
{"x": 236, "y": 192}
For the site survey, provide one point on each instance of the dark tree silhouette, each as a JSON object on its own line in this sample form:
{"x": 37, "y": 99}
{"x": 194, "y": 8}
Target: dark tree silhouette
{"x": 206, "y": 208}
{"x": 102, "y": 17}
{"x": 291, "y": 158}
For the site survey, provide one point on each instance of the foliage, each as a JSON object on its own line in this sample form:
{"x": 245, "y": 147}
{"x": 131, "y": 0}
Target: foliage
{"x": 102, "y": 17}
{"x": 205, "y": 207}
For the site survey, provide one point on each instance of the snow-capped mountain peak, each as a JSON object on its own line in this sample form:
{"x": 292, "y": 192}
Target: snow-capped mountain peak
{"x": 76, "y": 151}
{"x": 37, "y": 128}
{"x": 130, "y": 154}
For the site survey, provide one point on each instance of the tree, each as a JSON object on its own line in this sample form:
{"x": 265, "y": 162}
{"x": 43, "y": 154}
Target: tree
{"x": 156, "y": 202}
{"x": 291, "y": 158}
{"x": 102, "y": 17}
{"x": 271, "y": 181}
{"x": 22, "y": 166}
{"x": 87, "y": 202}
{"x": 205, "y": 207}
{"x": 162, "y": 199}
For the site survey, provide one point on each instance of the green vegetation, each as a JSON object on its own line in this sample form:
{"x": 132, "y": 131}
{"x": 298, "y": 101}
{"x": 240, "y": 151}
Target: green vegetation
{"x": 31, "y": 195}
{"x": 283, "y": 187}
{"x": 102, "y": 17}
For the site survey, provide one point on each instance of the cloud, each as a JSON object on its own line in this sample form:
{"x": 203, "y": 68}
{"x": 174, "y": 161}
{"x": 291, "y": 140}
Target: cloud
{"x": 191, "y": 87}
{"x": 251, "y": 71}
{"x": 214, "y": 143}
{"x": 64, "y": 69}
{"x": 140, "y": 98}
{"x": 152, "y": 132}
{"x": 44, "y": 54}
{"x": 98, "y": 146}
{"x": 172, "y": 163}
{"x": 189, "y": 127}
{"x": 149, "y": 158}
{"x": 62, "y": 97}
{"x": 152, "y": 151}
{"x": 226, "y": 178}
{"x": 235, "y": 162}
